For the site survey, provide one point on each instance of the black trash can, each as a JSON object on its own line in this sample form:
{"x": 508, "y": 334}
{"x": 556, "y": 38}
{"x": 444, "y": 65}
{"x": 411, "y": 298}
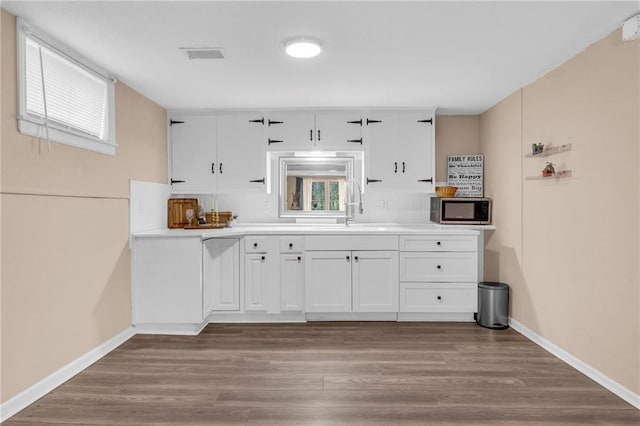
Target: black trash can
{"x": 493, "y": 305}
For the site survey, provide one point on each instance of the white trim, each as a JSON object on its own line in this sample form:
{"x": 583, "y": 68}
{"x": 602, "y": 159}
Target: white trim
{"x": 172, "y": 329}
{"x": 256, "y": 317}
{"x": 436, "y": 316}
{"x": 49, "y": 383}
{"x": 351, "y": 316}
{"x": 578, "y": 364}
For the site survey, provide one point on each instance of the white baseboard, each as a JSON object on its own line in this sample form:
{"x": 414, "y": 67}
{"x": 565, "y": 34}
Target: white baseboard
{"x": 49, "y": 383}
{"x": 352, "y": 316}
{"x": 172, "y": 329}
{"x": 257, "y": 317}
{"x": 436, "y": 316}
{"x": 578, "y": 364}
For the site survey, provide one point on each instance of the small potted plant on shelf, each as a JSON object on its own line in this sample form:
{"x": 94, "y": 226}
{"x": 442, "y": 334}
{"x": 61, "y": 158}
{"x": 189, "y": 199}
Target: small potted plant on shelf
{"x": 549, "y": 170}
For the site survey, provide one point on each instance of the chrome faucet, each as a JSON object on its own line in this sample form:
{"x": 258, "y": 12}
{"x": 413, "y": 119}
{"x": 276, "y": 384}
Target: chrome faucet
{"x": 348, "y": 203}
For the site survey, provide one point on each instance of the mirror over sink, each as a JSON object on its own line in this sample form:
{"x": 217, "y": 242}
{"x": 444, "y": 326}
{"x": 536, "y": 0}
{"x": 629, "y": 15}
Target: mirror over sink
{"x": 315, "y": 186}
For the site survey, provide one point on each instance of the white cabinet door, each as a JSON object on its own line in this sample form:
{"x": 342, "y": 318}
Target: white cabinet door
{"x": 438, "y": 266}
{"x": 328, "y": 281}
{"x": 256, "y": 282}
{"x": 290, "y": 129}
{"x": 291, "y": 282}
{"x": 193, "y": 154}
{"x": 221, "y": 275}
{"x": 375, "y": 281}
{"x": 167, "y": 281}
{"x": 339, "y": 129}
{"x": 241, "y": 153}
{"x": 401, "y": 150}
{"x": 417, "y": 152}
{"x": 382, "y": 144}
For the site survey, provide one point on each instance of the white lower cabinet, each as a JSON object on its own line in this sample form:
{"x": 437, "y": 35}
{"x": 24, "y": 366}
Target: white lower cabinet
{"x": 167, "y": 281}
{"x": 352, "y": 281}
{"x": 439, "y": 274}
{"x": 221, "y": 275}
{"x": 256, "y": 280}
{"x": 292, "y": 274}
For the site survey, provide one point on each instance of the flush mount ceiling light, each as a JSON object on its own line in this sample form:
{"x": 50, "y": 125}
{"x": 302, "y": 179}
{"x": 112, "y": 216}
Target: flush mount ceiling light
{"x": 302, "y": 47}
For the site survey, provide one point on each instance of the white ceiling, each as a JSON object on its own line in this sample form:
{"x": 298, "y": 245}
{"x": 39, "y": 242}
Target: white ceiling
{"x": 462, "y": 57}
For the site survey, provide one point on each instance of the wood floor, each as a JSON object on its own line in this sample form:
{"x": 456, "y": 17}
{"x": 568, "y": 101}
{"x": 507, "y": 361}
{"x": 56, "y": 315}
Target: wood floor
{"x": 331, "y": 374}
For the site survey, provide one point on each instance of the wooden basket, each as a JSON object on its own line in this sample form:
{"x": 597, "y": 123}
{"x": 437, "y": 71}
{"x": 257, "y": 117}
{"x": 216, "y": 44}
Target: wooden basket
{"x": 223, "y": 217}
{"x": 446, "y": 191}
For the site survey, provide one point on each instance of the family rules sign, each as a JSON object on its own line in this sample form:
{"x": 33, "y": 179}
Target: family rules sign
{"x": 467, "y": 173}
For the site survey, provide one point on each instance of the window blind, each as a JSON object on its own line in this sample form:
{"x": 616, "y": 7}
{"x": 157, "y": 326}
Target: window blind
{"x": 77, "y": 99}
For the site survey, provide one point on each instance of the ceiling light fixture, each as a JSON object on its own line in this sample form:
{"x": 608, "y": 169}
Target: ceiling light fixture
{"x": 302, "y": 47}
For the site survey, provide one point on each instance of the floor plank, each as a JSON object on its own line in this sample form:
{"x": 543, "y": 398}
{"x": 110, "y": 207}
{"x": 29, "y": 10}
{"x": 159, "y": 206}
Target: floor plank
{"x": 350, "y": 373}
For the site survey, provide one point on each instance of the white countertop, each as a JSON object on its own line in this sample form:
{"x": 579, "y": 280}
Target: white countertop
{"x": 243, "y": 229}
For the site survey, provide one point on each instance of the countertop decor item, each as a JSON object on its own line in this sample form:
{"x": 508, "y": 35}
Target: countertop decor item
{"x": 177, "y": 211}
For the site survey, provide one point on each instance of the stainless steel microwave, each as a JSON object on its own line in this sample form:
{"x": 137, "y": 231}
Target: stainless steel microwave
{"x": 467, "y": 211}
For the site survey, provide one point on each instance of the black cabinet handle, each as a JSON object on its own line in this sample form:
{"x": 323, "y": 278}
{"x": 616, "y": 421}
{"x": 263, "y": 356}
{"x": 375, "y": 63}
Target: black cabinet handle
{"x": 355, "y": 122}
{"x": 373, "y": 181}
{"x": 176, "y": 181}
{"x": 262, "y": 258}
{"x": 311, "y": 135}
{"x": 257, "y": 181}
{"x": 373, "y": 121}
{"x": 403, "y": 167}
{"x": 439, "y": 266}
{"x": 355, "y": 141}
{"x": 270, "y": 141}
{"x": 255, "y": 245}
{"x": 270, "y": 122}
{"x": 213, "y": 168}
{"x": 439, "y": 297}
{"x": 426, "y": 180}
{"x": 430, "y": 121}
{"x": 290, "y": 246}
{"x": 172, "y": 122}
{"x": 395, "y": 167}
{"x": 438, "y": 243}
{"x": 355, "y": 258}
{"x": 261, "y": 121}
{"x": 299, "y": 258}
{"x": 348, "y": 258}
{"x": 318, "y": 135}
{"x": 220, "y": 168}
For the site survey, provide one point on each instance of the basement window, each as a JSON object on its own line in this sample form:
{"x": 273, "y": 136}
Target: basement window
{"x": 63, "y": 97}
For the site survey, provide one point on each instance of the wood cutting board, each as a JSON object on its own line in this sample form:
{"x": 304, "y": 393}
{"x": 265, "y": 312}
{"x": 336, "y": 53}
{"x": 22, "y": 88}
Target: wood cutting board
{"x": 176, "y": 212}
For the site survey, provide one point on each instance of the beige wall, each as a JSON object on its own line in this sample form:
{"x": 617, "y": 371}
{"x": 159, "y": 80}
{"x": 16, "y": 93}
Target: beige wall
{"x": 64, "y": 223}
{"x": 576, "y": 279}
{"x": 455, "y": 134}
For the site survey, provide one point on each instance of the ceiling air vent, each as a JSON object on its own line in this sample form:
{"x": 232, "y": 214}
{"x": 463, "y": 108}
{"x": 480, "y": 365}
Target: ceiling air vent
{"x": 203, "y": 53}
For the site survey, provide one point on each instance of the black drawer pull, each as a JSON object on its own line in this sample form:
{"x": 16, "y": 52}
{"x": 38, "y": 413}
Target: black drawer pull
{"x": 262, "y": 257}
{"x": 403, "y": 167}
{"x": 348, "y": 258}
{"x": 290, "y": 246}
{"x": 255, "y": 245}
{"x": 439, "y": 243}
{"x": 439, "y": 297}
{"x": 213, "y": 168}
{"x": 439, "y": 267}
{"x": 395, "y": 167}
{"x": 311, "y": 135}
{"x": 355, "y": 258}
{"x": 299, "y": 258}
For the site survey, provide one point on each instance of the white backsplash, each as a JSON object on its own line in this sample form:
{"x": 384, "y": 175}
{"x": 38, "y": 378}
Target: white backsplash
{"x": 379, "y": 206}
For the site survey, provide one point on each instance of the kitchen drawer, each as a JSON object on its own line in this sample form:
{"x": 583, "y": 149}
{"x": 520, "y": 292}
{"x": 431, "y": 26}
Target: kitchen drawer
{"x": 440, "y": 297}
{"x": 256, "y": 244}
{"x": 438, "y": 243}
{"x": 438, "y": 267}
{"x": 291, "y": 244}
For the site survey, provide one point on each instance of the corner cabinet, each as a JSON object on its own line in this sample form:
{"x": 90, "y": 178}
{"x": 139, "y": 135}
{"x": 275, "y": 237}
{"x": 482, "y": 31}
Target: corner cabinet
{"x": 401, "y": 150}
{"x": 216, "y": 153}
{"x": 221, "y": 275}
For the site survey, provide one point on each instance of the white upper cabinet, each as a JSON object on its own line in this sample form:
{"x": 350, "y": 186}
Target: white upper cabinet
{"x": 339, "y": 130}
{"x": 241, "y": 153}
{"x": 401, "y": 150}
{"x": 290, "y": 130}
{"x": 314, "y": 130}
{"x": 193, "y": 153}
{"x": 217, "y": 153}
